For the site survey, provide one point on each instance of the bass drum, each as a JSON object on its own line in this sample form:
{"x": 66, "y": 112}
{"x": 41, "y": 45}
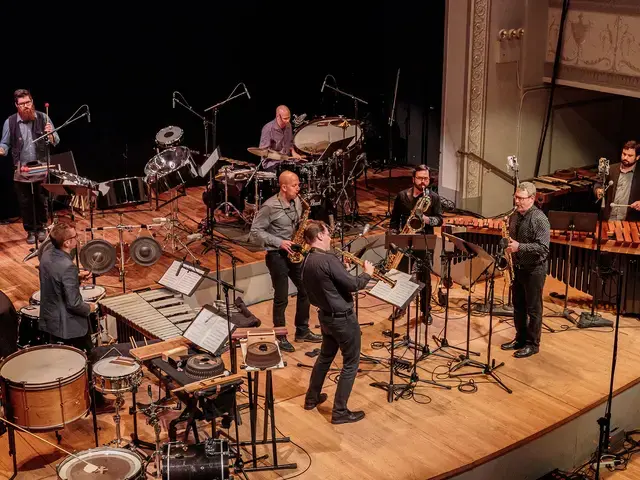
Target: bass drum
{"x": 121, "y": 192}
{"x": 314, "y": 137}
{"x": 208, "y": 460}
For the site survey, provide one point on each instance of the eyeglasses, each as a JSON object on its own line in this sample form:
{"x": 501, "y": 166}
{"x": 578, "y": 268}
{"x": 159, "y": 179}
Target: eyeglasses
{"x": 422, "y": 178}
{"x": 25, "y": 104}
{"x": 516, "y": 197}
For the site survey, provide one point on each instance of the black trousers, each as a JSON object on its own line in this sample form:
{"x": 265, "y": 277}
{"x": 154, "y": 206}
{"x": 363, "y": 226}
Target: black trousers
{"x": 281, "y": 269}
{"x": 337, "y": 334}
{"x": 527, "y": 305}
{"x": 30, "y": 200}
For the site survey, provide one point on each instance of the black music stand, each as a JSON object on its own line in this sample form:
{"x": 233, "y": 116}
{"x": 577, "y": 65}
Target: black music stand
{"x": 489, "y": 367}
{"x": 477, "y": 256}
{"x": 571, "y": 222}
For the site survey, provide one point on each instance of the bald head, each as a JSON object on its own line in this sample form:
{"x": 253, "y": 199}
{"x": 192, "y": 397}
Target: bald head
{"x": 289, "y": 185}
{"x": 283, "y": 116}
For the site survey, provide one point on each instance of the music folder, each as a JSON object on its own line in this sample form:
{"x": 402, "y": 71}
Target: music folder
{"x": 402, "y": 294}
{"x": 209, "y": 330}
{"x": 183, "y": 277}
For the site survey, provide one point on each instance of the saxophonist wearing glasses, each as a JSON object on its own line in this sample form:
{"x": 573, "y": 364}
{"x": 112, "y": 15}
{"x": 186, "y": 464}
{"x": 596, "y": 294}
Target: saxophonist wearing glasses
{"x": 529, "y": 234}
{"x": 416, "y": 210}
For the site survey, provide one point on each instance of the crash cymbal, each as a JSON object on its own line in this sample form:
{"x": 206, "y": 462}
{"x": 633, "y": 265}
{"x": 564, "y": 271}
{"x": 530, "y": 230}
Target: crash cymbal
{"x": 270, "y": 154}
{"x": 261, "y": 152}
{"x": 236, "y": 162}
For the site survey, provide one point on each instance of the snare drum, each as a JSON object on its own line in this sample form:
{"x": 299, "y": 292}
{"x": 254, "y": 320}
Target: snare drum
{"x": 46, "y": 386}
{"x": 120, "y": 464}
{"x": 116, "y": 374}
{"x": 29, "y": 333}
{"x": 91, "y": 293}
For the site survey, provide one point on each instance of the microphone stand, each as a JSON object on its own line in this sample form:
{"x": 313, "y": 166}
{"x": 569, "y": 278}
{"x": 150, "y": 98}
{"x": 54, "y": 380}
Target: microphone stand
{"x": 355, "y": 107}
{"x": 45, "y": 137}
{"x": 212, "y": 186}
{"x": 389, "y": 161}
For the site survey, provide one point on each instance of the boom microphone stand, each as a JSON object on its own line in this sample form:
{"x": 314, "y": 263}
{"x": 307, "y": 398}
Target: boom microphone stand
{"x": 389, "y": 161}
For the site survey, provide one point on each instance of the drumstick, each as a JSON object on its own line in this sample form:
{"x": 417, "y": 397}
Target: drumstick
{"x": 92, "y": 468}
{"x": 618, "y": 205}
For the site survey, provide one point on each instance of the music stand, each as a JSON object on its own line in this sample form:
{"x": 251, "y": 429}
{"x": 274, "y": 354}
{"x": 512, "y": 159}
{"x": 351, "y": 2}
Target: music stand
{"x": 399, "y": 296}
{"x": 489, "y": 367}
{"x": 477, "y": 256}
{"x": 571, "y": 222}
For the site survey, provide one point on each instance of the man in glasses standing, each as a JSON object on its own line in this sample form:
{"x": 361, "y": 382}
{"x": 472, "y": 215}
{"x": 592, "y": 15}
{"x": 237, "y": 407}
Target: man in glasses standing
{"x": 529, "y": 232}
{"x": 18, "y": 133}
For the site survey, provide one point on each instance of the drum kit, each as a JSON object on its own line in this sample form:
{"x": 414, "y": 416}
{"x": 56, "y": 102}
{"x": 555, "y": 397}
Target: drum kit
{"x": 323, "y": 172}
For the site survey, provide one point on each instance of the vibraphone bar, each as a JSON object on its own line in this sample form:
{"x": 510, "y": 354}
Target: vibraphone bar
{"x": 154, "y": 314}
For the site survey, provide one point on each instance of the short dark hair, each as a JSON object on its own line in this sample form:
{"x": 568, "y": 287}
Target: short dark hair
{"x": 314, "y": 228}
{"x": 21, "y": 92}
{"x": 420, "y": 168}
{"x": 59, "y": 233}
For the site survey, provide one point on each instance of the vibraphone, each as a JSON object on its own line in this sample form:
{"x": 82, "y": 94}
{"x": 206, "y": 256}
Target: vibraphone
{"x": 154, "y": 314}
{"x": 569, "y": 190}
{"x": 620, "y": 249}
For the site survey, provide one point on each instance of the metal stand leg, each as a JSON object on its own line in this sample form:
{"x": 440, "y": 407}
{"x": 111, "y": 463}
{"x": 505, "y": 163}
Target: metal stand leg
{"x": 12, "y": 450}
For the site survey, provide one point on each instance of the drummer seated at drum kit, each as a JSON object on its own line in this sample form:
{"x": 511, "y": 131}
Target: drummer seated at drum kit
{"x": 277, "y": 135}
{"x": 64, "y": 315}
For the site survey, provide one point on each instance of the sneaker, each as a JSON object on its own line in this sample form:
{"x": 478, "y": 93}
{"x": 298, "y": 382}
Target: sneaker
{"x": 309, "y": 336}
{"x": 285, "y": 345}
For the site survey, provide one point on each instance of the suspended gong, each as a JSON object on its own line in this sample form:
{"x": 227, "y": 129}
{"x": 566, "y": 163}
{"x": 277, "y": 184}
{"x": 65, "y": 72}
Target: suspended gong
{"x": 98, "y": 256}
{"x": 145, "y": 251}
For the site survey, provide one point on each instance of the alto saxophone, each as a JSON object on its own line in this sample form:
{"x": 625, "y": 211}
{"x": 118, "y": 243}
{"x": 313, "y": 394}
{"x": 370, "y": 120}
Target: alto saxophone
{"x": 505, "y": 263}
{"x": 298, "y": 237}
{"x": 415, "y": 223}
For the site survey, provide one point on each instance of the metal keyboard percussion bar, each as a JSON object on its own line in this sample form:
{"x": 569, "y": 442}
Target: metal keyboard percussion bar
{"x": 154, "y": 314}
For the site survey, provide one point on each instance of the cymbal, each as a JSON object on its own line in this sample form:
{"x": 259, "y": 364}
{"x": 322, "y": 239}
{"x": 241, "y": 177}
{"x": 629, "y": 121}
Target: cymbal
{"x": 343, "y": 123}
{"x": 236, "y": 162}
{"x": 271, "y": 154}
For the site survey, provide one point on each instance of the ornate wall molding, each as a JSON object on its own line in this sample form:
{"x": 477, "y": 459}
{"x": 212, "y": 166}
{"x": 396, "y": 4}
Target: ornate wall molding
{"x": 476, "y": 95}
{"x": 601, "y": 47}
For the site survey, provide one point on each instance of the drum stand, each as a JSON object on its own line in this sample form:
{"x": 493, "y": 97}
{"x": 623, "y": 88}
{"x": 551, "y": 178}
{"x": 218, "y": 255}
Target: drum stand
{"x": 116, "y": 419}
{"x": 226, "y": 204}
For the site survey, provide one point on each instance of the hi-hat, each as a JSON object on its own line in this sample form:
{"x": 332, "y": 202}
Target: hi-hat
{"x": 236, "y": 162}
{"x": 98, "y": 256}
{"x": 145, "y": 251}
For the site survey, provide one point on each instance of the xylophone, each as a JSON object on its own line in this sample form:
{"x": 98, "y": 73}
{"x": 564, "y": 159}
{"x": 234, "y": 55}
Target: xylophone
{"x": 154, "y": 314}
{"x": 620, "y": 249}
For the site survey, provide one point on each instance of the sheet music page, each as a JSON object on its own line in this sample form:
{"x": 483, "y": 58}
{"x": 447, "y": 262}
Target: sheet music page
{"x": 398, "y": 295}
{"x": 184, "y": 282}
{"x": 209, "y": 331}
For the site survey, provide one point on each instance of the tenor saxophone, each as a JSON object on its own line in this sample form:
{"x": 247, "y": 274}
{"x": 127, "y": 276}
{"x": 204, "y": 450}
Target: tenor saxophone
{"x": 298, "y": 237}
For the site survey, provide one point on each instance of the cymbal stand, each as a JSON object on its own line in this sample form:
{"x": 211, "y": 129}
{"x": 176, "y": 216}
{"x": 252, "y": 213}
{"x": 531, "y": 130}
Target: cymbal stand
{"x": 116, "y": 420}
{"x": 171, "y": 224}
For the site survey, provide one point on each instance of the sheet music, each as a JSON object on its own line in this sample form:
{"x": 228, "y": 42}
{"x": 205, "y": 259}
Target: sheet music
{"x": 209, "y": 331}
{"x": 184, "y": 282}
{"x": 401, "y": 294}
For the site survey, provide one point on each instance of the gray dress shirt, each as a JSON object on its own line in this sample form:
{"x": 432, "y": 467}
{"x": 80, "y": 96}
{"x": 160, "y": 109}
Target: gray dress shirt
{"x": 277, "y": 220}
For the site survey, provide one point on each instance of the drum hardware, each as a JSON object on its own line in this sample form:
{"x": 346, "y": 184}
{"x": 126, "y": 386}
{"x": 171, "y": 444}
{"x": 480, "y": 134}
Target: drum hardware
{"x": 172, "y": 223}
{"x": 226, "y": 178}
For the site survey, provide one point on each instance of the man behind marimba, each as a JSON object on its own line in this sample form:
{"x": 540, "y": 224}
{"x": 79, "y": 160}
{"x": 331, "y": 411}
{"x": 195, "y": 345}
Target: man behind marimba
{"x": 625, "y": 189}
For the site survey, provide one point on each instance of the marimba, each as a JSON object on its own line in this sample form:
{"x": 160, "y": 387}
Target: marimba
{"x": 620, "y": 250}
{"x": 154, "y": 314}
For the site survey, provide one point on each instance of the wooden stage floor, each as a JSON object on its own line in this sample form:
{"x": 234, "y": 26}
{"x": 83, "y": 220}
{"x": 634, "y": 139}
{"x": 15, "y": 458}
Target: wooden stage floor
{"x": 431, "y": 432}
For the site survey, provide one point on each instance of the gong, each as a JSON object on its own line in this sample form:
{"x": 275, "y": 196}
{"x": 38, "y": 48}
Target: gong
{"x": 98, "y": 256}
{"x": 145, "y": 251}
{"x": 262, "y": 355}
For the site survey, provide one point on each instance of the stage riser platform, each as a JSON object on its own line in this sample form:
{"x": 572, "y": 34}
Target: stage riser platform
{"x": 566, "y": 447}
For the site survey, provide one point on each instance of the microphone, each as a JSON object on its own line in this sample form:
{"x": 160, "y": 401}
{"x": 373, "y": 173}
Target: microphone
{"x": 246, "y": 91}
{"x": 323, "y": 84}
{"x": 394, "y": 248}
{"x": 504, "y": 243}
{"x": 88, "y": 114}
{"x": 173, "y": 101}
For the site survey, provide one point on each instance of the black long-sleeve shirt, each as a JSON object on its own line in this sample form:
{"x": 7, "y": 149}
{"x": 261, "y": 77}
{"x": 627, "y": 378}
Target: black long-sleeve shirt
{"x": 404, "y": 204}
{"x": 532, "y": 231}
{"x": 328, "y": 283}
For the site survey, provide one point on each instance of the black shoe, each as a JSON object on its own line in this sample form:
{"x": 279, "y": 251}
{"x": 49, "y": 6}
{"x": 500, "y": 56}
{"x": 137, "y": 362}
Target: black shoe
{"x": 42, "y": 236}
{"x": 285, "y": 345}
{"x": 512, "y": 345}
{"x": 309, "y": 405}
{"x": 348, "y": 417}
{"x": 527, "y": 351}
{"x": 309, "y": 336}
{"x": 31, "y": 238}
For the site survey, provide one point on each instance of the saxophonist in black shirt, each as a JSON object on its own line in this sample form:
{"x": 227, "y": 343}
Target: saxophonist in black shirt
{"x": 403, "y": 207}
{"x": 529, "y": 232}
{"x": 330, "y": 289}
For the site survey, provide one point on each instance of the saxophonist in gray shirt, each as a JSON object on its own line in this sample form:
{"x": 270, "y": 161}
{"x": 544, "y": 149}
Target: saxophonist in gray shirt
{"x": 273, "y": 228}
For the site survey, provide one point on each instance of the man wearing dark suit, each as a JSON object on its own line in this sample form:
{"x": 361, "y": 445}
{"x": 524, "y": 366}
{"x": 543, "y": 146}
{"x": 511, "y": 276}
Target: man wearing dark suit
{"x": 625, "y": 189}
{"x": 64, "y": 315}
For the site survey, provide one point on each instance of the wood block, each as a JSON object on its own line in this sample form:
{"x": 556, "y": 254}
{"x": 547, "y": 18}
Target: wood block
{"x": 155, "y": 350}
